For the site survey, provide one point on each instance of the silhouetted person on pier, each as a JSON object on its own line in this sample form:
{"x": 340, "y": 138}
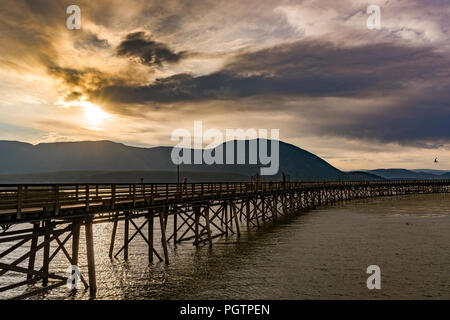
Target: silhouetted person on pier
{"x": 185, "y": 185}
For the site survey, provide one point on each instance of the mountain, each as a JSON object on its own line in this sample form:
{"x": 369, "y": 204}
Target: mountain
{"x": 106, "y": 161}
{"x": 363, "y": 176}
{"x": 399, "y": 174}
{"x": 90, "y": 160}
{"x": 445, "y": 176}
{"x": 433, "y": 171}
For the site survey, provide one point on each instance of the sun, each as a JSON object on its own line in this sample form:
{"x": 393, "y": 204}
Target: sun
{"x": 94, "y": 114}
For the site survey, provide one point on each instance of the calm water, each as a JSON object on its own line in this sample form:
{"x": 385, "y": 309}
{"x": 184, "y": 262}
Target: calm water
{"x": 319, "y": 254}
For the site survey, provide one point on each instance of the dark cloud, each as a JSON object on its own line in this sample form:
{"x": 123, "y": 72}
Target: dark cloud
{"x": 415, "y": 79}
{"x": 415, "y": 121}
{"x": 140, "y": 46}
{"x": 302, "y": 68}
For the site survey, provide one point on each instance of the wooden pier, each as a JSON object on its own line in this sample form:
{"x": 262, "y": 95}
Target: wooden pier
{"x": 44, "y": 217}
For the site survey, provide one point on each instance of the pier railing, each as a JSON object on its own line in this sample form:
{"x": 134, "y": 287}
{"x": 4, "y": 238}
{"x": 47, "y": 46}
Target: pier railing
{"x": 56, "y": 197}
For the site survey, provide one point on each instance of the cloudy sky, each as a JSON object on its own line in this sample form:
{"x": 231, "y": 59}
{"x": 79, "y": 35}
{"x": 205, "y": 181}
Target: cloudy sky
{"x": 137, "y": 70}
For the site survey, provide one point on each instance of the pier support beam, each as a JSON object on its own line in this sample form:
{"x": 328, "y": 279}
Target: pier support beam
{"x": 75, "y": 241}
{"x": 247, "y": 213}
{"x": 150, "y": 235}
{"x": 236, "y": 221}
{"x": 90, "y": 255}
{"x": 208, "y": 227}
{"x": 175, "y": 230}
{"x": 32, "y": 258}
{"x": 46, "y": 256}
{"x": 162, "y": 217}
{"x": 225, "y": 211}
{"x": 113, "y": 236}
{"x": 125, "y": 237}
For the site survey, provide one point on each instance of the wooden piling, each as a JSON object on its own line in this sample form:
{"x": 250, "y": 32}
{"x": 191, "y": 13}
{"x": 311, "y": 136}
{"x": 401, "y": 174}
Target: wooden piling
{"x": 255, "y": 210}
{"x": 162, "y": 217}
{"x": 175, "y": 214}
{"x": 32, "y": 258}
{"x": 90, "y": 255}
{"x": 225, "y": 209}
{"x": 150, "y": 235}
{"x": 75, "y": 241}
{"x": 46, "y": 256}
{"x": 263, "y": 209}
{"x": 113, "y": 235}
{"x": 208, "y": 227}
{"x": 247, "y": 213}
{"x": 233, "y": 208}
{"x": 196, "y": 222}
{"x": 126, "y": 235}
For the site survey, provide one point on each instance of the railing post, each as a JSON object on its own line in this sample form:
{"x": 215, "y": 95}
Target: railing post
{"x": 56, "y": 192}
{"x": 87, "y": 198}
{"x": 113, "y": 195}
{"x": 19, "y": 202}
{"x": 151, "y": 191}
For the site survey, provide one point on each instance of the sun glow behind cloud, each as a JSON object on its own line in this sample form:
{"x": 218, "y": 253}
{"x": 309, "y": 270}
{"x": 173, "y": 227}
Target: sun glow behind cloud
{"x": 94, "y": 115}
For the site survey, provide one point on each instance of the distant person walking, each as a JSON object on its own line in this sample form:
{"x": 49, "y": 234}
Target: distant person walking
{"x": 185, "y": 185}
